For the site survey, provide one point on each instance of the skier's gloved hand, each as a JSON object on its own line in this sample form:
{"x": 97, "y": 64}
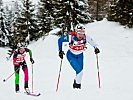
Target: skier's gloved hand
{"x": 21, "y": 63}
{"x": 32, "y": 61}
{"x": 61, "y": 53}
{"x": 97, "y": 51}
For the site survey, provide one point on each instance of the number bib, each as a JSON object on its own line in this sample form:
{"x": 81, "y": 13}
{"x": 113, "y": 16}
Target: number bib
{"x": 77, "y": 45}
{"x": 20, "y": 57}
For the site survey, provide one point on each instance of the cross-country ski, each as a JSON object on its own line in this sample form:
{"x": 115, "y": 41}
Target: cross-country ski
{"x": 33, "y": 94}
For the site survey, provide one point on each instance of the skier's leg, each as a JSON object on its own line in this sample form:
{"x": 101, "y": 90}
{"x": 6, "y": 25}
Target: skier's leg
{"x": 74, "y": 62}
{"x": 26, "y": 75}
{"x": 16, "y": 68}
{"x": 78, "y": 77}
{"x": 80, "y": 74}
{"x": 77, "y": 64}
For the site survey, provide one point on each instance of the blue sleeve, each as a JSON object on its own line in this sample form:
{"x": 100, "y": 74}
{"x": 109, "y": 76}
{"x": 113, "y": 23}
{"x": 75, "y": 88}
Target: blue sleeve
{"x": 61, "y": 40}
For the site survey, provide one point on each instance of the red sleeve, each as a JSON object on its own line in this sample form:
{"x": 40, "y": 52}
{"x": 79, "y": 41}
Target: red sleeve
{"x": 73, "y": 33}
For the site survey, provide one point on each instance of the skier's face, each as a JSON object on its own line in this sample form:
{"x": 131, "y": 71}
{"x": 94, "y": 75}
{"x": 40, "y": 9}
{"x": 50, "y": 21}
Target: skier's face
{"x": 21, "y": 50}
{"x": 80, "y": 36}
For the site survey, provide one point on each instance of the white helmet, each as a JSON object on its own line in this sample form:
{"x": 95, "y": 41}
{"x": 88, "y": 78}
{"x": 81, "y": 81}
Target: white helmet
{"x": 20, "y": 45}
{"x": 79, "y": 27}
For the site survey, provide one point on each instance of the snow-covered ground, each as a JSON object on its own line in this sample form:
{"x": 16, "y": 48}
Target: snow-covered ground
{"x": 116, "y": 68}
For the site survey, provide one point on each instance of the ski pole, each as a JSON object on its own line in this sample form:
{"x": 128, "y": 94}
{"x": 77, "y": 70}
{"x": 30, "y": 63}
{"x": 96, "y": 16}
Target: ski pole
{"x": 10, "y": 75}
{"x": 98, "y": 71}
{"x": 32, "y": 78}
{"x": 59, "y": 76}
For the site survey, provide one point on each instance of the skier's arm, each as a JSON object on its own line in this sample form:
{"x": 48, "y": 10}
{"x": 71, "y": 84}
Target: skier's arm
{"x": 61, "y": 40}
{"x": 91, "y": 41}
{"x": 30, "y": 53}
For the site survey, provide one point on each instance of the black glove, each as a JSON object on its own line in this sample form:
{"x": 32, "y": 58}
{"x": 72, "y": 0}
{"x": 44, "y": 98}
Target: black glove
{"x": 97, "y": 51}
{"x": 32, "y": 61}
{"x": 21, "y": 63}
{"x": 61, "y": 53}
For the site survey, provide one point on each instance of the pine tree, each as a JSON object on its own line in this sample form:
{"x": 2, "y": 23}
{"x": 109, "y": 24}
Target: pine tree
{"x": 3, "y": 29}
{"x": 80, "y": 8}
{"x": 27, "y": 28}
{"x": 9, "y": 18}
{"x": 122, "y": 12}
{"x": 60, "y": 14}
{"x": 44, "y": 17}
{"x": 68, "y": 13}
{"x": 14, "y": 38}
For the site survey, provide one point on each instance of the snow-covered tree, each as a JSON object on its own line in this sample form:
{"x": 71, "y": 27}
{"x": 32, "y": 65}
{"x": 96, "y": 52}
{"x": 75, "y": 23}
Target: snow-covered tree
{"x": 45, "y": 19}
{"x": 27, "y": 22}
{"x": 122, "y": 12}
{"x": 68, "y": 13}
{"x": 9, "y": 18}
{"x": 3, "y": 29}
{"x": 99, "y": 8}
{"x": 9, "y": 12}
{"x": 81, "y": 10}
{"x": 23, "y": 26}
{"x": 59, "y": 13}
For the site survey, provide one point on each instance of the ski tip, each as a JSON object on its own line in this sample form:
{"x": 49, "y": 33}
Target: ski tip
{"x": 33, "y": 94}
{"x": 37, "y": 94}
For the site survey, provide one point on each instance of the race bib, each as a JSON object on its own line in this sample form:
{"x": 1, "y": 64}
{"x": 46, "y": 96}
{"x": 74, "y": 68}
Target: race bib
{"x": 20, "y": 58}
{"x": 78, "y": 47}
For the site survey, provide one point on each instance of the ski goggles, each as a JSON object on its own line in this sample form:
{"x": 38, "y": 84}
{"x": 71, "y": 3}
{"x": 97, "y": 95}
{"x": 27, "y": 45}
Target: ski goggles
{"x": 80, "y": 31}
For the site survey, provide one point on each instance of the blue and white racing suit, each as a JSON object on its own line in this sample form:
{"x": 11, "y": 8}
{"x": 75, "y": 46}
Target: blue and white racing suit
{"x": 75, "y": 53}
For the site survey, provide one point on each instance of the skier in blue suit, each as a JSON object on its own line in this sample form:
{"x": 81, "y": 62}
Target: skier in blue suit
{"x": 77, "y": 44}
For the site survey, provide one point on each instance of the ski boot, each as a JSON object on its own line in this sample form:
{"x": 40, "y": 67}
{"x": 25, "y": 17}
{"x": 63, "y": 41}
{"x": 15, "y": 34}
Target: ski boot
{"x": 27, "y": 90}
{"x": 17, "y": 88}
{"x": 26, "y": 87}
{"x": 75, "y": 85}
{"x": 18, "y": 91}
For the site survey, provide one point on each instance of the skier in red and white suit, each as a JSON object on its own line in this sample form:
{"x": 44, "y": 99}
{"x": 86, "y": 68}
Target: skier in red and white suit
{"x": 19, "y": 60}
